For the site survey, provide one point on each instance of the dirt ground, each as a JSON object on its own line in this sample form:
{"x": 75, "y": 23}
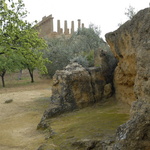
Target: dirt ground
{"x": 19, "y": 119}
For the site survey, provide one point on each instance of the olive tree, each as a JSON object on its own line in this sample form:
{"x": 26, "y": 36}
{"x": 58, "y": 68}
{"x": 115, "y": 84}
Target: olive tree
{"x": 79, "y": 47}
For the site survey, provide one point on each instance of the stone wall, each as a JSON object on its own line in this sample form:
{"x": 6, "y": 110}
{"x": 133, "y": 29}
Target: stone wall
{"x": 45, "y": 27}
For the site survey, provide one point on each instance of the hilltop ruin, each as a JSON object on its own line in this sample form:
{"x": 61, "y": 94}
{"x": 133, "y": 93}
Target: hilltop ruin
{"x": 46, "y": 27}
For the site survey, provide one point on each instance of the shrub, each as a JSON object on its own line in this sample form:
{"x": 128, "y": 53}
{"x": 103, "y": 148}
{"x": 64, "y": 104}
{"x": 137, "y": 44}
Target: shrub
{"x": 79, "y": 47}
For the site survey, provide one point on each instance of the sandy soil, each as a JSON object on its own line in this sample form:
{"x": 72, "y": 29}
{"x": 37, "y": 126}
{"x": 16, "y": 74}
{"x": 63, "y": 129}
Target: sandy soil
{"x": 19, "y": 119}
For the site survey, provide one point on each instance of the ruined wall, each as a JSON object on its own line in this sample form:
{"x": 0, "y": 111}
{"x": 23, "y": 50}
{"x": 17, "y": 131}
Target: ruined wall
{"x": 46, "y": 27}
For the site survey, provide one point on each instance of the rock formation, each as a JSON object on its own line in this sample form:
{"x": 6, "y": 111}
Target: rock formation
{"x": 106, "y": 60}
{"x": 76, "y": 87}
{"x": 131, "y": 45}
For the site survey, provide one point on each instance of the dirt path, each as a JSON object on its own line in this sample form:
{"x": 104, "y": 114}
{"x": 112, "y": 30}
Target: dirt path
{"x": 19, "y": 119}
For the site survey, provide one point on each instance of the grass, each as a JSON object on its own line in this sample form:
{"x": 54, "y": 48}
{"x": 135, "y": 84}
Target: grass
{"x": 39, "y": 104}
{"x": 94, "y": 123}
{"x": 11, "y": 79}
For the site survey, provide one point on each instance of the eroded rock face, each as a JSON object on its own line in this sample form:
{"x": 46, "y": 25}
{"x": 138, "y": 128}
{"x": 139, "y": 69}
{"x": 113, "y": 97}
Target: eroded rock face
{"x": 72, "y": 86}
{"x": 131, "y": 45}
{"x": 76, "y": 87}
{"x": 106, "y": 60}
{"x": 135, "y": 134}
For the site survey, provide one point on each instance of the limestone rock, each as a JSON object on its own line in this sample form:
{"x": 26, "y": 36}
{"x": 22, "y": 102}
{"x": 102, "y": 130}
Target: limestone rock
{"x": 135, "y": 134}
{"x": 108, "y": 90}
{"x": 88, "y": 144}
{"x": 131, "y": 45}
{"x": 9, "y": 101}
{"x": 106, "y": 60}
{"x": 74, "y": 87}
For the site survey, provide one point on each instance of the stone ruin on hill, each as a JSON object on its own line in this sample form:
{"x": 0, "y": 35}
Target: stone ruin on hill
{"x": 46, "y": 27}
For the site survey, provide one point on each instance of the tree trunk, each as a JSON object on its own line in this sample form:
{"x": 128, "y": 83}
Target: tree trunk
{"x": 31, "y": 75}
{"x": 20, "y": 75}
{"x": 2, "y": 76}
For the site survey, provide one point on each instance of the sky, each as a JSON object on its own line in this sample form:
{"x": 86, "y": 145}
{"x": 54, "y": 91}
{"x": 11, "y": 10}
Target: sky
{"x": 106, "y": 14}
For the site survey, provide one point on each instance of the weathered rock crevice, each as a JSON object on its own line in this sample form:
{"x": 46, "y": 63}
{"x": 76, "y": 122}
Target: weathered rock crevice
{"x": 131, "y": 46}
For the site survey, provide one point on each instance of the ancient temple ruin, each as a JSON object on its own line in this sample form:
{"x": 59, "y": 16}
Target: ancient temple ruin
{"x": 46, "y": 27}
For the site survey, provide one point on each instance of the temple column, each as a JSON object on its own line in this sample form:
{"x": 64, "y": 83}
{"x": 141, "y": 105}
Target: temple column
{"x": 66, "y": 30}
{"x": 72, "y": 27}
{"x": 51, "y": 23}
{"x": 58, "y": 26}
{"x": 82, "y": 25}
{"x": 79, "y": 23}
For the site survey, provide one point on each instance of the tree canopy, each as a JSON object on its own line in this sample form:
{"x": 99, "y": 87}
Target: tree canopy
{"x": 19, "y": 41}
{"x": 78, "y": 47}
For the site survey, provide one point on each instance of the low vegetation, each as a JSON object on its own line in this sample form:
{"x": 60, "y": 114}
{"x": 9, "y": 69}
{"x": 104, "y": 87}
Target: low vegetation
{"x": 78, "y": 47}
{"x": 95, "y": 123}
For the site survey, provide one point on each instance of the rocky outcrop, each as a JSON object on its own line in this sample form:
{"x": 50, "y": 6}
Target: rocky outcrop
{"x": 131, "y": 45}
{"x": 106, "y": 60}
{"x": 76, "y": 87}
{"x": 135, "y": 134}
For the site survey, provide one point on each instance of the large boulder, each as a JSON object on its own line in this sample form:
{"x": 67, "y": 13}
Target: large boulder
{"x": 76, "y": 87}
{"x": 131, "y": 45}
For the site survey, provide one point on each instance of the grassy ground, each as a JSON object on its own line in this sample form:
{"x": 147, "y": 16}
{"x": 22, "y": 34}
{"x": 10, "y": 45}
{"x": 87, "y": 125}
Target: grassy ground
{"x": 12, "y": 79}
{"x": 19, "y": 119}
{"x": 97, "y": 122}
{"x": 31, "y": 99}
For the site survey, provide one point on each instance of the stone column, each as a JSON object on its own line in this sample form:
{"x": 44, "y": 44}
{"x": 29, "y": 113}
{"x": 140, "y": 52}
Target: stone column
{"x": 82, "y": 25}
{"x": 66, "y": 30}
{"x": 61, "y": 30}
{"x": 79, "y": 23}
{"x": 58, "y": 26}
{"x": 72, "y": 27}
{"x": 51, "y": 23}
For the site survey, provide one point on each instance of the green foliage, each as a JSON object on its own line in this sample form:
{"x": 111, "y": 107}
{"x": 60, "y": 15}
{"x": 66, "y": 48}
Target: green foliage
{"x": 80, "y": 60}
{"x": 89, "y": 37}
{"x": 58, "y": 54}
{"x": 19, "y": 40}
{"x": 79, "y": 47}
{"x": 130, "y": 12}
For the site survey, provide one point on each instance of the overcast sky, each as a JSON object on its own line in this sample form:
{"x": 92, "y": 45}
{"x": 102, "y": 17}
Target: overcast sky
{"x": 104, "y": 13}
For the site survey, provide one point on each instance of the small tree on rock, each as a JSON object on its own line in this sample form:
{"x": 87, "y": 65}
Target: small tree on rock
{"x": 130, "y": 12}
